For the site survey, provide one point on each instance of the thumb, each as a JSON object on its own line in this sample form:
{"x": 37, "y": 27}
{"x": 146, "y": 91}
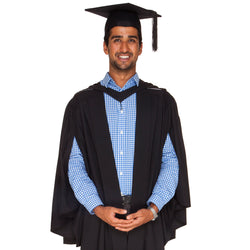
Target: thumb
{"x": 120, "y": 211}
{"x": 133, "y": 216}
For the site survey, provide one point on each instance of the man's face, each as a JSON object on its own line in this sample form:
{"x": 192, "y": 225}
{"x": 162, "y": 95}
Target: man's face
{"x": 123, "y": 48}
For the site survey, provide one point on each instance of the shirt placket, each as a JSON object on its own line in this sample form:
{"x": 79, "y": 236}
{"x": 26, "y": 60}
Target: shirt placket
{"x": 121, "y": 145}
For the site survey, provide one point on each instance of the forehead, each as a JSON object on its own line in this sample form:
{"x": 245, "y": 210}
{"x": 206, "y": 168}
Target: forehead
{"x": 123, "y": 31}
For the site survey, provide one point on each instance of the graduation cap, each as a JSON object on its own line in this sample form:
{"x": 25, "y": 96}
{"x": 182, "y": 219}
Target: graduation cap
{"x": 127, "y": 15}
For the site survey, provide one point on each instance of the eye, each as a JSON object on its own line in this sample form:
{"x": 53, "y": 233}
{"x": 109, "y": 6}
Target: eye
{"x": 132, "y": 40}
{"x": 117, "y": 40}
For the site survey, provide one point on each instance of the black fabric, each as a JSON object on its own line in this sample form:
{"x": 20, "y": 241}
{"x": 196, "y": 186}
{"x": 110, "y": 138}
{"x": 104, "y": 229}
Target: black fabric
{"x": 126, "y": 204}
{"x": 85, "y": 119}
{"x": 119, "y": 96}
{"x": 124, "y": 19}
{"x": 106, "y": 11}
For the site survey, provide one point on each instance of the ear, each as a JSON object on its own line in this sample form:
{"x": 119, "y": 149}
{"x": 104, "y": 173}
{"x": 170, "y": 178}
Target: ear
{"x": 105, "y": 48}
{"x": 140, "y": 49}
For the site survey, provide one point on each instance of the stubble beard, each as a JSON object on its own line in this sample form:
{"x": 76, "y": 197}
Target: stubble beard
{"x": 122, "y": 67}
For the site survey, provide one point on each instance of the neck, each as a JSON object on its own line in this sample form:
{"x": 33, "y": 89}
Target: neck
{"x": 121, "y": 78}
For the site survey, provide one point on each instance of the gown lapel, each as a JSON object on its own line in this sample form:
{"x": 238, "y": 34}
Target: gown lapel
{"x": 103, "y": 145}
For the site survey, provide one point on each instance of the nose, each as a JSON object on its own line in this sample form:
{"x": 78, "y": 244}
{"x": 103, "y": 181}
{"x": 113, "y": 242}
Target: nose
{"x": 124, "y": 47}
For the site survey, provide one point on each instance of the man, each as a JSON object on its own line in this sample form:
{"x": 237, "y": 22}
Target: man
{"x": 121, "y": 181}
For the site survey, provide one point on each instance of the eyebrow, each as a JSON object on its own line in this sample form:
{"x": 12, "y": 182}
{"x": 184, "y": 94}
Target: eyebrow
{"x": 115, "y": 37}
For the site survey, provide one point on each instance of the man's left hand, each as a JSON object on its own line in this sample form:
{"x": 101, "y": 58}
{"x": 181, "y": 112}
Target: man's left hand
{"x": 137, "y": 219}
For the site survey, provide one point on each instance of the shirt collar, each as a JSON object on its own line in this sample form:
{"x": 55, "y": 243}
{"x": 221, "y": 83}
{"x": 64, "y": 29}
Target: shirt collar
{"x": 108, "y": 82}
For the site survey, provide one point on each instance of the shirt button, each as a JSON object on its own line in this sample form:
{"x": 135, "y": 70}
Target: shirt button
{"x": 121, "y": 132}
{"x": 121, "y": 111}
{"x": 121, "y": 173}
{"x": 121, "y": 153}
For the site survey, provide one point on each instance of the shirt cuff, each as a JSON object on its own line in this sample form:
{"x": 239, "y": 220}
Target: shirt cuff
{"x": 92, "y": 203}
{"x": 157, "y": 200}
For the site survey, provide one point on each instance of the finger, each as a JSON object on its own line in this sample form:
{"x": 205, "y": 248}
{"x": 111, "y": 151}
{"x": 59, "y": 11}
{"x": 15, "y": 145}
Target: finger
{"x": 122, "y": 223}
{"x": 133, "y": 216}
{"x": 124, "y": 229}
{"x": 115, "y": 222}
{"x": 138, "y": 221}
{"x": 119, "y": 211}
{"x": 128, "y": 226}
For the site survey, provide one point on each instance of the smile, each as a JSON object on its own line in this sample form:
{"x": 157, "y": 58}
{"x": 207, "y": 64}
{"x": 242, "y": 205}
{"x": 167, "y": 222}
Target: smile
{"x": 124, "y": 57}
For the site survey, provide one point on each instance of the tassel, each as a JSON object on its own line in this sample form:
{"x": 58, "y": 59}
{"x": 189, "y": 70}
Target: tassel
{"x": 155, "y": 34}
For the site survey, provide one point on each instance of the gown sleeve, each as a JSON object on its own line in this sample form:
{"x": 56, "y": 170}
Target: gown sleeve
{"x": 182, "y": 195}
{"x": 65, "y": 205}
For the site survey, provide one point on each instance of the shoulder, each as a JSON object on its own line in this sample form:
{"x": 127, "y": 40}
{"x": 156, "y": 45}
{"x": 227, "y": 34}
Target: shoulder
{"x": 81, "y": 97}
{"x": 160, "y": 93}
{"x": 86, "y": 93}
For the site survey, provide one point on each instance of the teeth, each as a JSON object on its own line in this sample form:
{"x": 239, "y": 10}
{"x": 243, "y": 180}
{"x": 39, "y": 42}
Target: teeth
{"x": 124, "y": 57}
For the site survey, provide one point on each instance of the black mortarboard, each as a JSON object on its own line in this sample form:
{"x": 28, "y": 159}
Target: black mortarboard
{"x": 127, "y": 15}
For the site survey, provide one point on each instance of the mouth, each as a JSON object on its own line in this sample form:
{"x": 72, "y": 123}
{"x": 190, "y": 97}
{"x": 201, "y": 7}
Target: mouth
{"x": 123, "y": 57}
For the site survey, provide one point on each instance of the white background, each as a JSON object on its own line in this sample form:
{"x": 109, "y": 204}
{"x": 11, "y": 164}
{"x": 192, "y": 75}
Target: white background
{"x": 51, "y": 49}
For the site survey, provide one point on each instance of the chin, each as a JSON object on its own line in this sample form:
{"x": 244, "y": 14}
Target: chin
{"x": 124, "y": 67}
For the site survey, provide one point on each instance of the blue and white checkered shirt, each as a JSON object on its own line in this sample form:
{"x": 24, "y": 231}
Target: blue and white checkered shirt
{"x": 122, "y": 122}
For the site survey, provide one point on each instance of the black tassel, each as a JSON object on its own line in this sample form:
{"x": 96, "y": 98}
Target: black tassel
{"x": 155, "y": 34}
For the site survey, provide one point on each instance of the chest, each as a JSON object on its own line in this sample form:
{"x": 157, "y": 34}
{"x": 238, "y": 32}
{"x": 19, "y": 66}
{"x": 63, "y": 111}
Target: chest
{"x": 121, "y": 116}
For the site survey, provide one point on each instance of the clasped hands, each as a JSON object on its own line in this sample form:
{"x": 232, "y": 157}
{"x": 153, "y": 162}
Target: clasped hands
{"x": 108, "y": 215}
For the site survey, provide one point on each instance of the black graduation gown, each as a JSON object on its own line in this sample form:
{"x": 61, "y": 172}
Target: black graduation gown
{"x": 85, "y": 119}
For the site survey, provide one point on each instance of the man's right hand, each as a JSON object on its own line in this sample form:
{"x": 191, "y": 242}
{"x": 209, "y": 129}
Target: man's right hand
{"x": 107, "y": 214}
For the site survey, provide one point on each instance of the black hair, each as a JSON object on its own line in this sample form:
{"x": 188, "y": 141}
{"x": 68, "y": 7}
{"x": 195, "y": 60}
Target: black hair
{"x": 107, "y": 35}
